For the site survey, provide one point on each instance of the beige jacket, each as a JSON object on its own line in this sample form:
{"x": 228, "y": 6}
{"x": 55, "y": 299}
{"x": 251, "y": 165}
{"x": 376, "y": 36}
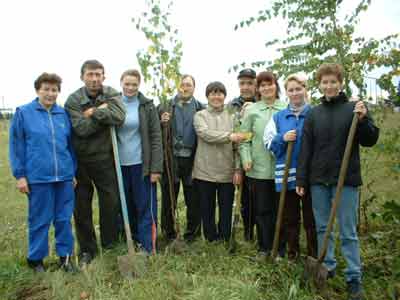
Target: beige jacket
{"x": 214, "y": 160}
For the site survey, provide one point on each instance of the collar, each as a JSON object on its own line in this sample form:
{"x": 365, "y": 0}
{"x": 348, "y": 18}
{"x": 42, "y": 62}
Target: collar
{"x": 214, "y": 110}
{"x": 54, "y": 108}
{"x": 277, "y": 105}
{"x": 288, "y": 113}
{"x": 340, "y": 98}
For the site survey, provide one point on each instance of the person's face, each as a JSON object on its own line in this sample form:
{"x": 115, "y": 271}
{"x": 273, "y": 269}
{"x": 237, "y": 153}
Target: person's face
{"x": 93, "y": 79}
{"x": 130, "y": 85}
{"x": 247, "y": 87}
{"x": 330, "y": 85}
{"x": 47, "y": 94}
{"x": 186, "y": 88}
{"x": 295, "y": 92}
{"x": 267, "y": 90}
{"x": 216, "y": 99}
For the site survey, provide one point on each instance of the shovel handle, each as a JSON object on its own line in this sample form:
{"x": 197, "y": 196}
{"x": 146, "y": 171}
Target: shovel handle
{"x": 339, "y": 187}
{"x": 282, "y": 198}
{"x": 121, "y": 190}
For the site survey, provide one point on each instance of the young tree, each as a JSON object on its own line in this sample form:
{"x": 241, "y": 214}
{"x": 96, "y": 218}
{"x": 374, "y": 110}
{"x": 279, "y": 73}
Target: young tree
{"x": 160, "y": 62}
{"x": 316, "y": 33}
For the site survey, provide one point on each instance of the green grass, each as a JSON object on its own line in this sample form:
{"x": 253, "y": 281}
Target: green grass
{"x": 204, "y": 271}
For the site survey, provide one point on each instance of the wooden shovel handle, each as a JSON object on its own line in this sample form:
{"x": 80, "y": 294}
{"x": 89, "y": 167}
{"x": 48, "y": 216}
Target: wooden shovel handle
{"x": 282, "y": 198}
{"x": 339, "y": 187}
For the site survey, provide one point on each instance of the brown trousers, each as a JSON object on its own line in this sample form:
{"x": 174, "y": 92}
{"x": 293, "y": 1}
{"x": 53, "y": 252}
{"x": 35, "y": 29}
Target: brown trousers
{"x": 293, "y": 205}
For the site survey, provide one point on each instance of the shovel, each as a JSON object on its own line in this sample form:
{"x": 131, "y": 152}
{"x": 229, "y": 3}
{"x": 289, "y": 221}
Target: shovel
{"x": 177, "y": 245}
{"x": 282, "y": 199}
{"x": 314, "y": 267}
{"x": 133, "y": 264}
{"x": 235, "y": 220}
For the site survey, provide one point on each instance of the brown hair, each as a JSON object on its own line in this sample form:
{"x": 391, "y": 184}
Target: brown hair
{"x": 91, "y": 64}
{"x": 268, "y": 77}
{"x": 215, "y": 86}
{"x": 330, "y": 69}
{"x": 51, "y": 78}
{"x": 131, "y": 72}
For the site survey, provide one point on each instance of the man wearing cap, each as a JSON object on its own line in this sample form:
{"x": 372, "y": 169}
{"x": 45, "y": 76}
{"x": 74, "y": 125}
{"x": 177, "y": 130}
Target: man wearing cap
{"x": 247, "y": 88}
{"x": 93, "y": 109}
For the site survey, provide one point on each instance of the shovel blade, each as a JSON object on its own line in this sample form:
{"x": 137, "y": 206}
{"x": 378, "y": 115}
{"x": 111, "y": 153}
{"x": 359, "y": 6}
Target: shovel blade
{"x": 131, "y": 266}
{"x": 316, "y": 271}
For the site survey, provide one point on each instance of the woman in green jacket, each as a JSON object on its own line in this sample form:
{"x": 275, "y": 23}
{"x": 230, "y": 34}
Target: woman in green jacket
{"x": 258, "y": 163}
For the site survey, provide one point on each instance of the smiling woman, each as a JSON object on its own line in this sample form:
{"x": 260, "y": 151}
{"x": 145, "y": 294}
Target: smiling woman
{"x": 43, "y": 162}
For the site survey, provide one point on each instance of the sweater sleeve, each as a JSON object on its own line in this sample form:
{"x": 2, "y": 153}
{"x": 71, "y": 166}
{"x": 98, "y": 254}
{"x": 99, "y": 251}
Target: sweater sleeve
{"x": 306, "y": 153}
{"x": 367, "y": 132}
{"x": 245, "y": 147}
{"x": 81, "y": 125}
{"x": 211, "y": 136}
{"x": 17, "y": 145}
{"x": 113, "y": 114}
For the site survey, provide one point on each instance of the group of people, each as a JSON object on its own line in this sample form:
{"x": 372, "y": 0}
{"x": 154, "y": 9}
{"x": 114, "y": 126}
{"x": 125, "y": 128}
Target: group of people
{"x": 58, "y": 155}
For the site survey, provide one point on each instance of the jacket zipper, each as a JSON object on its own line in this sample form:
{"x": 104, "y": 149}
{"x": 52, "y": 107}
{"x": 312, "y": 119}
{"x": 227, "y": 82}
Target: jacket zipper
{"x": 53, "y": 138}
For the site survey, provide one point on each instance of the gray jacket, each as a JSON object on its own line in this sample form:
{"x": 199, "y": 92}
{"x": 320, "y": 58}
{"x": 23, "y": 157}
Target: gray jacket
{"x": 150, "y": 133}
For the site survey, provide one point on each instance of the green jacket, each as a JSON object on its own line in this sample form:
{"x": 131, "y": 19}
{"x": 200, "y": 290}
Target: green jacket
{"x": 150, "y": 133}
{"x": 91, "y": 136}
{"x": 255, "y": 119}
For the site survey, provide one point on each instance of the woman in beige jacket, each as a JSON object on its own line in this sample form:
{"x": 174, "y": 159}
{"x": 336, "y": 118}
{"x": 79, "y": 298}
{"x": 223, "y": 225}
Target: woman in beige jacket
{"x": 216, "y": 170}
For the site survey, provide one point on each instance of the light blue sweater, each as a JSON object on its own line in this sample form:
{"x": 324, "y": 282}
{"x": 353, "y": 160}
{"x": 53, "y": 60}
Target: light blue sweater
{"x": 129, "y": 140}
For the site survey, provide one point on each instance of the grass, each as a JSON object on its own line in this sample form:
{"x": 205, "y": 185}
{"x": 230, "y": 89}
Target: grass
{"x": 204, "y": 271}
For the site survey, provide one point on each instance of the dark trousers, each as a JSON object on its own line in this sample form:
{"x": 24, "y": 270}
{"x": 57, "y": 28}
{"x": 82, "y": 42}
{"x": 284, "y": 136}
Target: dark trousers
{"x": 224, "y": 192}
{"x": 266, "y": 208}
{"x": 193, "y": 217}
{"x": 141, "y": 203}
{"x": 102, "y": 175}
{"x": 292, "y": 223}
{"x": 247, "y": 209}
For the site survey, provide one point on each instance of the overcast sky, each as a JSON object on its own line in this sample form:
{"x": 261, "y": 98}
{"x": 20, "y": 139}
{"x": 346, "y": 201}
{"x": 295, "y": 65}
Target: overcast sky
{"x": 57, "y": 36}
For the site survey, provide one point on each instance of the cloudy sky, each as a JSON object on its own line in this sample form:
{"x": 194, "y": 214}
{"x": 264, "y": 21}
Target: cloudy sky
{"x": 57, "y": 36}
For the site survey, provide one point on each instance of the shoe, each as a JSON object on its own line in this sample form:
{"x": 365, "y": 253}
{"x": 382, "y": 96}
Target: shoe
{"x": 261, "y": 256}
{"x": 36, "y": 265}
{"x": 354, "y": 290}
{"x": 66, "y": 264}
{"x": 85, "y": 258}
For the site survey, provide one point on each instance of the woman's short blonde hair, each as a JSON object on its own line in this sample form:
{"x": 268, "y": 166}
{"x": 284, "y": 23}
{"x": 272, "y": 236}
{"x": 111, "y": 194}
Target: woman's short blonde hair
{"x": 300, "y": 79}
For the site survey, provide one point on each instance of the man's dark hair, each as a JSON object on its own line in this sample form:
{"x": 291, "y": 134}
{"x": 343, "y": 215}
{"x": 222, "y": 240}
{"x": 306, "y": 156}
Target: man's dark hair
{"x": 215, "y": 86}
{"x": 51, "y": 78}
{"x": 91, "y": 64}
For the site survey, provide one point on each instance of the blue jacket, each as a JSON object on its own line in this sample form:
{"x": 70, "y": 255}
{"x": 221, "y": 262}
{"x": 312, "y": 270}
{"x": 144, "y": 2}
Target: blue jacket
{"x": 281, "y": 123}
{"x": 40, "y": 144}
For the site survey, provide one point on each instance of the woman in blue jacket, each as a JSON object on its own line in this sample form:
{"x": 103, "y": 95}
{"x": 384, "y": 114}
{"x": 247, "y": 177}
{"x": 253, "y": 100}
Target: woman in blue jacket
{"x": 43, "y": 163}
{"x": 285, "y": 126}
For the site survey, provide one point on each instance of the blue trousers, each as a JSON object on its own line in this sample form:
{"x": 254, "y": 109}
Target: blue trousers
{"x": 142, "y": 210}
{"x": 50, "y": 203}
{"x": 322, "y": 198}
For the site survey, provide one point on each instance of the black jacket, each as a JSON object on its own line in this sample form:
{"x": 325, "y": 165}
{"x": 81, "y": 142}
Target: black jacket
{"x": 150, "y": 133}
{"x": 324, "y": 140}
